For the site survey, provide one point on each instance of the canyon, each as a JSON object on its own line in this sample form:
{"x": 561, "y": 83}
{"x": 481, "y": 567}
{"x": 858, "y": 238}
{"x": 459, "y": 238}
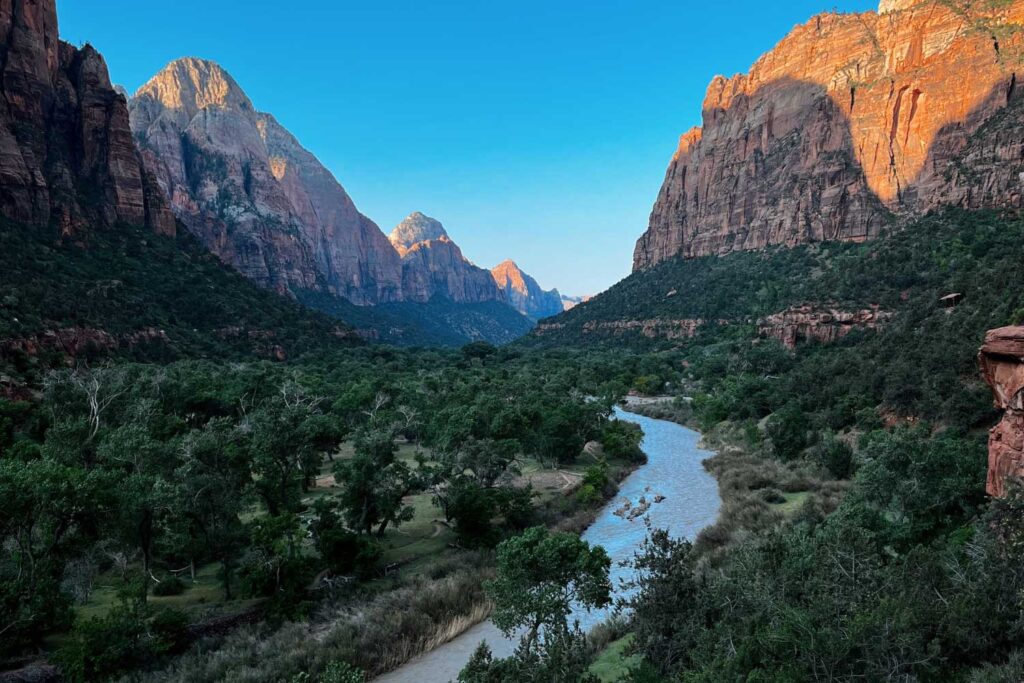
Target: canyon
{"x": 850, "y": 124}
{"x": 67, "y": 159}
{"x": 1002, "y": 366}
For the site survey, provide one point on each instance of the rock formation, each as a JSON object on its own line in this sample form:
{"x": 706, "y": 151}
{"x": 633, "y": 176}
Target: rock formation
{"x": 852, "y": 121}
{"x": 433, "y": 265}
{"x": 524, "y": 294}
{"x": 826, "y": 325}
{"x": 252, "y": 194}
{"x": 571, "y": 302}
{"x": 1002, "y": 364}
{"x": 66, "y": 153}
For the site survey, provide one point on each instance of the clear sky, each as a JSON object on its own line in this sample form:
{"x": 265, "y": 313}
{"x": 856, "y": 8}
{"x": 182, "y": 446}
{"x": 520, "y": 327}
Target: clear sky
{"x": 538, "y": 130}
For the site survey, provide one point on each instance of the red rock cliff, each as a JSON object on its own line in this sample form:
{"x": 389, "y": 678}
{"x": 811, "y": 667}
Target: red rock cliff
{"x": 849, "y": 121}
{"x": 1002, "y": 364}
{"x": 66, "y": 152}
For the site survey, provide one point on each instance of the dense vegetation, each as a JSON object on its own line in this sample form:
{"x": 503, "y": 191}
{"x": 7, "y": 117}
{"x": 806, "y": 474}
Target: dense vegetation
{"x": 439, "y": 322}
{"x": 972, "y": 253}
{"x": 907, "y": 572}
{"x": 285, "y": 482}
{"x": 146, "y": 499}
{"x": 124, "y": 285}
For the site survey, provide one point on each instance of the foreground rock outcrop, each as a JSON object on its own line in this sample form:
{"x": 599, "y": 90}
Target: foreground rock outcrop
{"x": 852, "y": 121}
{"x": 67, "y": 158}
{"x": 1002, "y": 365}
{"x": 434, "y": 266}
{"x": 252, "y": 194}
{"x": 524, "y": 294}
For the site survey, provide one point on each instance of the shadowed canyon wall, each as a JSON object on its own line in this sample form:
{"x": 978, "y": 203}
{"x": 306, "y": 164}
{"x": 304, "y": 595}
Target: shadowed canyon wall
{"x": 66, "y": 152}
{"x": 849, "y": 122}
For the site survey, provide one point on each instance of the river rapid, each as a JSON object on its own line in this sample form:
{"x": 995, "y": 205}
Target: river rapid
{"x": 690, "y": 503}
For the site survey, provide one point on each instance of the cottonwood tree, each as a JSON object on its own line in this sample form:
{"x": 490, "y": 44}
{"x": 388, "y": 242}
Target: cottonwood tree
{"x": 48, "y": 514}
{"x": 375, "y": 483}
{"x": 540, "y": 576}
{"x": 214, "y": 477}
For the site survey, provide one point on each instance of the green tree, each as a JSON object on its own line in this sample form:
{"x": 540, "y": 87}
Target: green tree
{"x": 540, "y": 575}
{"x": 48, "y": 513}
{"x": 375, "y": 483}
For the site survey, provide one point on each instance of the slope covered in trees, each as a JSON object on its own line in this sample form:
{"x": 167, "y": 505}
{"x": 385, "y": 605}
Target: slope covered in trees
{"x": 127, "y": 293}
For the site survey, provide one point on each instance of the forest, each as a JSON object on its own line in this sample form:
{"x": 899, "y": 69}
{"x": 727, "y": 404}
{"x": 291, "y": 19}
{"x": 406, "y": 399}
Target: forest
{"x": 193, "y": 512}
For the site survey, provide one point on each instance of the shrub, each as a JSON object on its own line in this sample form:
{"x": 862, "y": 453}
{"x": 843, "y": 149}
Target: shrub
{"x": 172, "y": 585}
{"x": 100, "y": 648}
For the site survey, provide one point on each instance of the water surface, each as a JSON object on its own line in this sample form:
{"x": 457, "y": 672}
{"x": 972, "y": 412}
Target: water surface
{"x": 691, "y": 502}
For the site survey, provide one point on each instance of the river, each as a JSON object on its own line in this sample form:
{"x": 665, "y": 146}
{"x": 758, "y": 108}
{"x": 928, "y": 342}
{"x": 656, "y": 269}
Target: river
{"x": 691, "y": 502}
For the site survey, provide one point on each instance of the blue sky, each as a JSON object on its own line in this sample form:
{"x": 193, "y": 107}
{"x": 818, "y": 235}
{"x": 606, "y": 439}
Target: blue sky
{"x": 538, "y": 130}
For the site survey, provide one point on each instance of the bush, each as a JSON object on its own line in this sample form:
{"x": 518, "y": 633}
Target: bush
{"x": 621, "y": 440}
{"x": 98, "y": 649}
{"x": 172, "y": 585}
{"x": 787, "y": 430}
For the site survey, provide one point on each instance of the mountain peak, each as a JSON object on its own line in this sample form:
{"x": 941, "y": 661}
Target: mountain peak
{"x": 417, "y": 228}
{"x": 524, "y": 293}
{"x": 191, "y": 84}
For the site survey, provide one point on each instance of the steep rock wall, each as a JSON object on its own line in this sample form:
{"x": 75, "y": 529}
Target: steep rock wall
{"x": 66, "y": 152}
{"x": 525, "y": 294}
{"x": 849, "y": 122}
{"x": 252, "y": 194}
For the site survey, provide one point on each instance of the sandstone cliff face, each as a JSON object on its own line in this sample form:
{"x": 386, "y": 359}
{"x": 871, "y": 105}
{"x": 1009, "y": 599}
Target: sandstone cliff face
{"x": 253, "y": 195}
{"x": 825, "y": 325}
{"x": 851, "y": 121}
{"x": 524, "y": 294}
{"x": 66, "y": 152}
{"x": 1002, "y": 364}
{"x": 433, "y": 265}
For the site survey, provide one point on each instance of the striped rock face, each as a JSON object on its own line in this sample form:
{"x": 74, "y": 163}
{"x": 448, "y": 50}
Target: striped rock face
{"x": 252, "y": 194}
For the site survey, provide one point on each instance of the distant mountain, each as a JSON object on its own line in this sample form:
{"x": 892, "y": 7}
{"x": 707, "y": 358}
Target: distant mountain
{"x": 434, "y": 266}
{"x": 264, "y": 205}
{"x": 252, "y": 194}
{"x": 524, "y": 294}
{"x": 416, "y": 228}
